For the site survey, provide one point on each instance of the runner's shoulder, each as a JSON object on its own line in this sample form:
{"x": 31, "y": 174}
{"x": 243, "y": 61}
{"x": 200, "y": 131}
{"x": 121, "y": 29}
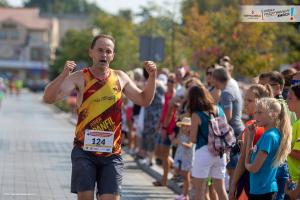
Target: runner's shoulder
{"x": 119, "y": 72}
{"x": 122, "y": 75}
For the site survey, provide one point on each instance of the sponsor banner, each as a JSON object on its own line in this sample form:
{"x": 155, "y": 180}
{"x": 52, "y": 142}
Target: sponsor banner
{"x": 266, "y": 13}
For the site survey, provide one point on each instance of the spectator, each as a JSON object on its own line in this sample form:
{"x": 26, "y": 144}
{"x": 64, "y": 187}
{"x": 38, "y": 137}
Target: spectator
{"x": 205, "y": 163}
{"x": 276, "y": 80}
{"x": 184, "y": 156}
{"x": 240, "y": 181}
{"x": 152, "y": 116}
{"x": 271, "y": 150}
{"x": 166, "y": 126}
{"x": 231, "y": 101}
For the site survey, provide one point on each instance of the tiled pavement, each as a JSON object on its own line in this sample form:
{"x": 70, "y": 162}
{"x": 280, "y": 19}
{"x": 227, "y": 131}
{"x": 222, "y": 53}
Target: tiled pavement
{"x": 35, "y": 146}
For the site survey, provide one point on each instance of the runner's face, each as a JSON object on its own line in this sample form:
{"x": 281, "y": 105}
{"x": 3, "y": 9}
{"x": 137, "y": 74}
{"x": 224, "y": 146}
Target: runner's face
{"x": 250, "y": 101}
{"x": 103, "y": 52}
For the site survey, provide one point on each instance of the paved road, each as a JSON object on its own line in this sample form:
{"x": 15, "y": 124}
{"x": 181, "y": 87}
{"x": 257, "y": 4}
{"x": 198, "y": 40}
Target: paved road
{"x": 35, "y": 146}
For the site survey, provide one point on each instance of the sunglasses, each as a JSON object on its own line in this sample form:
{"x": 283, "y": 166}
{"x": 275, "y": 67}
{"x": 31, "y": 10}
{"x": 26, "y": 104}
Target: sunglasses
{"x": 208, "y": 73}
{"x": 295, "y": 82}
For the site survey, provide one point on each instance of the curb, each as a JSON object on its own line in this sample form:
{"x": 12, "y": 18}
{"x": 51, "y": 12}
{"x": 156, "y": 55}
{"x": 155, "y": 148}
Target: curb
{"x": 158, "y": 175}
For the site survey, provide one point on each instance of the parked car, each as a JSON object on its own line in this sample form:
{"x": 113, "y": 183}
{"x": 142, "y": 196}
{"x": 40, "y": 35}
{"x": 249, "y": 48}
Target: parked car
{"x": 36, "y": 85}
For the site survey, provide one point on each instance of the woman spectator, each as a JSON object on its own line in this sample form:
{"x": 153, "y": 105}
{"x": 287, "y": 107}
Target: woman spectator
{"x": 205, "y": 164}
{"x": 166, "y": 126}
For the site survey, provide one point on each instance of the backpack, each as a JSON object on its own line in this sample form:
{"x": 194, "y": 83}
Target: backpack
{"x": 221, "y": 136}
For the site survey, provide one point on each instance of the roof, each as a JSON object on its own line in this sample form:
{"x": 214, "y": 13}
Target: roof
{"x": 28, "y": 17}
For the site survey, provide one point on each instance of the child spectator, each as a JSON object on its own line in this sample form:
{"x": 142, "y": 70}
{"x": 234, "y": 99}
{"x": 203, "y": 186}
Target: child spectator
{"x": 240, "y": 180}
{"x": 184, "y": 155}
{"x": 270, "y": 151}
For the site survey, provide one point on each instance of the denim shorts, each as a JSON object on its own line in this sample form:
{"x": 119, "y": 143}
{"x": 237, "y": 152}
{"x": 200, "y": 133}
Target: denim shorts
{"x": 88, "y": 169}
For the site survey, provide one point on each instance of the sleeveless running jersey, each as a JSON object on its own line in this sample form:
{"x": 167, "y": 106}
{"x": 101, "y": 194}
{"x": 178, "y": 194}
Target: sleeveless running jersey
{"x": 100, "y": 109}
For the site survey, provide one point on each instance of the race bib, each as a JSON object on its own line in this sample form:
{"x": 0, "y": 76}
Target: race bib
{"x": 99, "y": 141}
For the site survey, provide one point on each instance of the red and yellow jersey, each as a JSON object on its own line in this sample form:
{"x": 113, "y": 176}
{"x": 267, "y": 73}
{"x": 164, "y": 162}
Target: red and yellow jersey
{"x": 100, "y": 109}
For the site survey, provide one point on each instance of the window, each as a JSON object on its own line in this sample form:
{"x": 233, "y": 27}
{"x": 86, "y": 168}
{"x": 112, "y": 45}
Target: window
{"x": 3, "y": 35}
{"x": 36, "y": 37}
{"x": 9, "y": 31}
{"x": 14, "y": 34}
{"x": 36, "y": 54}
{"x": 9, "y": 26}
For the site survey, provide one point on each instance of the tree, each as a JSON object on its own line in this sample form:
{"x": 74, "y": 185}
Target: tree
{"x": 206, "y": 5}
{"x": 159, "y": 22}
{"x": 126, "y": 14}
{"x": 253, "y": 47}
{"x": 198, "y": 32}
{"x": 3, "y": 3}
{"x": 64, "y": 6}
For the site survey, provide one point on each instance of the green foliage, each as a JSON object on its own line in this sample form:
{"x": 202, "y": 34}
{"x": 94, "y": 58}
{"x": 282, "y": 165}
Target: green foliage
{"x": 206, "y": 5}
{"x": 158, "y": 22}
{"x": 210, "y": 29}
{"x": 3, "y": 3}
{"x": 253, "y": 47}
{"x": 74, "y": 46}
{"x": 126, "y": 14}
{"x": 63, "y": 6}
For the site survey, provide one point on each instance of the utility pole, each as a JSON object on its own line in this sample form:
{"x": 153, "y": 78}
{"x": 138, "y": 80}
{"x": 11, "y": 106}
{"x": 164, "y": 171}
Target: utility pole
{"x": 173, "y": 36}
{"x": 173, "y": 45}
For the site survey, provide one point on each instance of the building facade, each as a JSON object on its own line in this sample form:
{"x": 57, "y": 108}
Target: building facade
{"x": 26, "y": 43}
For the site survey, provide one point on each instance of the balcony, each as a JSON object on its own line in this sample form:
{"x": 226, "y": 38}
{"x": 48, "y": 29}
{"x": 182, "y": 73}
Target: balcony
{"x": 21, "y": 64}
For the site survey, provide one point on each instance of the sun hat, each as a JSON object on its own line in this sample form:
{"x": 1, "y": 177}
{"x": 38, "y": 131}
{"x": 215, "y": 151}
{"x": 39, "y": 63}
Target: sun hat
{"x": 185, "y": 121}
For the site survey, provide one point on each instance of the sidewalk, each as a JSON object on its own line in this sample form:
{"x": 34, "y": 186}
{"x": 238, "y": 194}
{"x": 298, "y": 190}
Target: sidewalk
{"x": 156, "y": 172}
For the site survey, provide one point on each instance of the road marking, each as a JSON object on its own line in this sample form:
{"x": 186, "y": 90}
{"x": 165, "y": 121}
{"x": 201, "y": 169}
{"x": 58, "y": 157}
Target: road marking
{"x": 19, "y": 194}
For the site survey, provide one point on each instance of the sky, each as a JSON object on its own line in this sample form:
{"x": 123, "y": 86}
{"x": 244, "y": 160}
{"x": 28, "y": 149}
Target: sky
{"x": 113, "y": 6}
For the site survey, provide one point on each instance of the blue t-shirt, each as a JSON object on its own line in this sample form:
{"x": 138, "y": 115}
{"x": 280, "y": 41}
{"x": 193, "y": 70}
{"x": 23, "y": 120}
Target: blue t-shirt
{"x": 264, "y": 181}
{"x": 202, "y": 135}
